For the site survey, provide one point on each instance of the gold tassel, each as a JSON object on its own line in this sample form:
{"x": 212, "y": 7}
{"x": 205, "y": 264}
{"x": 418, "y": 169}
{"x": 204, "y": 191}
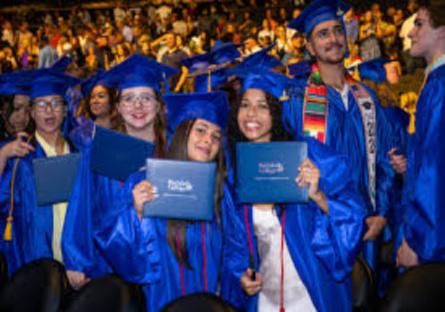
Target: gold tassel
{"x": 209, "y": 80}
{"x": 7, "y": 235}
{"x": 408, "y": 102}
{"x": 412, "y": 123}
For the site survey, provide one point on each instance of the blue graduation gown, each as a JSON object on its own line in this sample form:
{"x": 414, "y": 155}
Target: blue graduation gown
{"x": 32, "y": 227}
{"x": 345, "y": 134}
{"x": 424, "y": 213}
{"x": 322, "y": 246}
{"x": 93, "y": 197}
{"x": 138, "y": 251}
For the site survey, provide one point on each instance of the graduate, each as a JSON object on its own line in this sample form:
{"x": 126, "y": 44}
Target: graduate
{"x": 172, "y": 258}
{"x": 97, "y": 108}
{"x": 343, "y": 114}
{"x": 421, "y": 237}
{"x": 302, "y": 253}
{"x": 141, "y": 114}
{"x": 31, "y": 231}
{"x": 15, "y": 115}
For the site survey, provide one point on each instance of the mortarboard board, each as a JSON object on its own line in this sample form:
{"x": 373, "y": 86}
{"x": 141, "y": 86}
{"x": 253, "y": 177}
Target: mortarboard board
{"x": 139, "y": 71}
{"x": 299, "y": 69}
{"x": 217, "y": 78}
{"x": 263, "y": 79}
{"x": 318, "y": 11}
{"x": 98, "y": 79}
{"x": 49, "y": 82}
{"x": 261, "y": 59}
{"x": 197, "y": 62}
{"x": 373, "y": 70}
{"x": 212, "y": 107}
{"x": 223, "y": 52}
{"x": 62, "y": 64}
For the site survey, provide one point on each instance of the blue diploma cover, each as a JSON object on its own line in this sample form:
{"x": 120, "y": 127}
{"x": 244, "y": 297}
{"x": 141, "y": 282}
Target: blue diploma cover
{"x": 185, "y": 189}
{"x": 54, "y": 178}
{"x": 266, "y": 172}
{"x": 117, "y": 155}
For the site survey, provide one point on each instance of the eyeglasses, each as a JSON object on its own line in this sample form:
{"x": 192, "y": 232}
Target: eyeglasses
{"x": 56, "y": 105}
{"x": 130, "y": 100}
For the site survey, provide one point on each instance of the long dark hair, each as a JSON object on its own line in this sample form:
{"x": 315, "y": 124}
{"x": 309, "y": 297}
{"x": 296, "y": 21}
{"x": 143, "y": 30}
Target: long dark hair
{"x": 159, "y": 126}
{"x": 176, "y": 229}
{"x": 7, "y": 109}
{"x": 278, "y": 132}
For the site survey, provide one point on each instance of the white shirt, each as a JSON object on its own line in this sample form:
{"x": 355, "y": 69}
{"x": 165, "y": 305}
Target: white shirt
{"x": 296, "y": 297}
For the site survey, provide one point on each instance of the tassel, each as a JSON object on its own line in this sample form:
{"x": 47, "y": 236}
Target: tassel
{"x": 7, "y": 235}
{"x": 412, "y": 123}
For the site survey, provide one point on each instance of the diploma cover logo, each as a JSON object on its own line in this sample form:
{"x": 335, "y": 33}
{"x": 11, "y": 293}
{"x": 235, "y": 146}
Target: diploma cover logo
{"x": 270, "y": 167}
{"x": 179, "y": 185}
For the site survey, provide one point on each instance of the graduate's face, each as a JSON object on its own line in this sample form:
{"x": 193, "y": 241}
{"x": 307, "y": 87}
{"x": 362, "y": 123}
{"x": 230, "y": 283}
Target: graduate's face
{"x": 19, "y": 118}
{"x": 100, "y": 101}
{"x": 138, "y": 107}
{"x": 254, "y": 117}
{"x": 327, "y": 42}
{"x": 423, "y": 36}
{"x": 48, "y": 113}
{"x": 204, "y": 141}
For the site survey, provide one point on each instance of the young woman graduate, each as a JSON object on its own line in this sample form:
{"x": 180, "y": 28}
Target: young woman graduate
{"x": 32, "y": 231}
{"x": 141, "y": 112}
{"x": 97, "y": 108}
{"x": 303, "y": 253}
{"x": 172, "y": 258}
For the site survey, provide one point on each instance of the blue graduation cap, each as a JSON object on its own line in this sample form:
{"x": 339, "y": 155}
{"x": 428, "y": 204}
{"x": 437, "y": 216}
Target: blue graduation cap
{"x": 263, "y": 79}
{"x": 261, "y": 58}
{"x": 300, "y": 69}
{"x": 139, "y": 71}
{"x": 373, "y": 70}
{"x": 217, "y": 78}
{"x": 212, "y": 107}
{"x": 223, "y": 52}
{"x": 318, "y": 11}
{"x": 62, "y": 64}
{"x": 99, "y": 79}
{"x": 18, "y": 82}
{"x": 49, "y": 82}
{"x": 197, "y": 62}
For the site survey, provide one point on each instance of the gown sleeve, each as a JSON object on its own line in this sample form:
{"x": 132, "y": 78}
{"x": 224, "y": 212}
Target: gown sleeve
{"x": 130, "y": 244}
{"x": 337, "y": 234}
{"x": 425, "y": 214}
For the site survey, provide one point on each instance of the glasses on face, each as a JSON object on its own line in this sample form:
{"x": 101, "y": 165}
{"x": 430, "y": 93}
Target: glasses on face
{"x": 56, "y": 105}
{"x": 130, "y": 100}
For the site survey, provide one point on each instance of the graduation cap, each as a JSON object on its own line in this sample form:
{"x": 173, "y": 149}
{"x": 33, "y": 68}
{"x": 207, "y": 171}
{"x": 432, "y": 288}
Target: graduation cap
{"x": 18, "y": 82}
{"x": 99, "y": 79}
{"x": 211, "y": 80}
{"x": 261, "y": 58}
{"x": 139, "y": 71}
{"x": 223, "y": 52}
{"x": 373, "y": 70}
{"x": 300, "y": 69}
{"x": 197, "y": 62}
{"x": 211, "y": 106}
{"x": 263, "y": 79}
{"x": 318, "y": 11}
{"x": 62, "y": 64}
{"x": 49, "y": 82}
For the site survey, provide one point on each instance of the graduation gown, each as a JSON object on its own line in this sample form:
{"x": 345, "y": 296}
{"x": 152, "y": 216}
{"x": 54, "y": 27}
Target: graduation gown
{"x": 345, "y": 134}
{"x": 424, "y": 213}
{"x": 32, "y": 227}
{"x": 322, "y": 246}
{"x": 93, "y": 197}
{"x": 138, "y": 251}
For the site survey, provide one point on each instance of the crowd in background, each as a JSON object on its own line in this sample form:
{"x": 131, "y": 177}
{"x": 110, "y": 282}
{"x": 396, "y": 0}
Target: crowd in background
{"x": 170, "y": 31}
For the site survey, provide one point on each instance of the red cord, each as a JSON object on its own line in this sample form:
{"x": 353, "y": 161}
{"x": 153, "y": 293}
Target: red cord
{"x": 204, "y": 254}
{"x": 249, "y": 237}
{"x": 283, "y": 223}
{"x": 181, "y": 268}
